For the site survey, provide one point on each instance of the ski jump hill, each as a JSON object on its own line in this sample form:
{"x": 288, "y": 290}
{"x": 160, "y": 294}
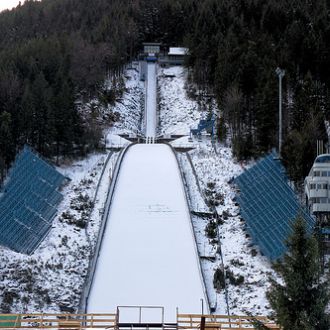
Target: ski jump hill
{"x": 148, "y": 254}
{"x": 146, "y": 270}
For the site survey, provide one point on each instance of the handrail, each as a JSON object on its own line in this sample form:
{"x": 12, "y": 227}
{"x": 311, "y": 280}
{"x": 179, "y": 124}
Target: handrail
{"x": 57, "y": 321}
{"x": 91, "y": 259}
{"x": 109, "y": 321}
{"x": 217, "y": 322}
{"x": 214, "y": 209}
{"x": 191, "y": 228}
{"x": 90, "y": 277}
{"x": 191, "y": 222}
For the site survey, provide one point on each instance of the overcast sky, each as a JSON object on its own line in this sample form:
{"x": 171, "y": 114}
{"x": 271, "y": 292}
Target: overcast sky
{"x": 9, "y": 4}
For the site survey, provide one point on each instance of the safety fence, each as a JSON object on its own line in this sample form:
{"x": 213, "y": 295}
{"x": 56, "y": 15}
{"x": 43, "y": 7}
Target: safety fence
{"x": 109, "y": 321}
{"x": 93, "y": 262}
{"x": 219, "y": 322}
{"x": 58, "y": 321}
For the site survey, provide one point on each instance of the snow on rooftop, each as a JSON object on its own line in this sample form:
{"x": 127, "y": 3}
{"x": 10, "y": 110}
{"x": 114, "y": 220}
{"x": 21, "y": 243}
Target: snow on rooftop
{"x": 178, "y": 51}
{"x": 148, "y": 255}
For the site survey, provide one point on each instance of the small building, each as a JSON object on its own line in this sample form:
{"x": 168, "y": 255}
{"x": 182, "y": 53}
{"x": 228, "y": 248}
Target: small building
{"x": 317, "y": 191}
{"x": 178, "y": 51}
{"x": 176, "y": 55}
{"x": 317, "y": 186}
{"x": 151, "y": 48}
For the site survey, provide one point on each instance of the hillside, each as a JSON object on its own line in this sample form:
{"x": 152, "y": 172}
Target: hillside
{"x": 56, "y": 51}
{"x": 70, "y": 86}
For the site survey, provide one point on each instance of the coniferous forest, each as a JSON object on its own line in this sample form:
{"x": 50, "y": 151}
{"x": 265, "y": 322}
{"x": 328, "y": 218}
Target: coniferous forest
{"x": 57, "y": 51}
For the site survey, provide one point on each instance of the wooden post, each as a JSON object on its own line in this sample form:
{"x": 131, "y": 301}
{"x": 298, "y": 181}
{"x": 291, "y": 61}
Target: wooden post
{"x": 202, "y": 323}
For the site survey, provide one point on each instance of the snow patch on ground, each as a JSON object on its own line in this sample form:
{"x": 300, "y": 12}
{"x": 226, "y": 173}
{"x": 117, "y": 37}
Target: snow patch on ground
{"x": 131, "y": 106}
{"x": 239, "y": 256}
{"x": 125, "y": 116}
{"x": 177, "y": 113}
{"x": 53, "y": 277}
{"x": 214, "y": 167}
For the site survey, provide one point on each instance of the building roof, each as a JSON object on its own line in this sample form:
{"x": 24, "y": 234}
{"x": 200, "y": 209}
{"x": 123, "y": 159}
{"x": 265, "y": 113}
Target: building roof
{"x": 178, "y": 51}
{"x": 151, "y": 44}
{"x": 324, "y": 158}
{"x": 325, "y": 231}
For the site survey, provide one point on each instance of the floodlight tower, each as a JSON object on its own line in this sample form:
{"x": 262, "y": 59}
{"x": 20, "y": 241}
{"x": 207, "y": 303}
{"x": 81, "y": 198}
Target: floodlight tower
{"x": 280, "y": 73}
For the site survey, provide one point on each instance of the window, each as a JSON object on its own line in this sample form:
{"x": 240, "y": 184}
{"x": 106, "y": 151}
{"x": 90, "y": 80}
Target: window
{"x": 316, "y": 173}
{"x": 324, "y": 186}
{"x": 323, "y": 200}
{"x": 312, "y": 186}
{"x": 319, "y": 186}
{"x": 323, "y": 159}
{"x": 324, "y": 173}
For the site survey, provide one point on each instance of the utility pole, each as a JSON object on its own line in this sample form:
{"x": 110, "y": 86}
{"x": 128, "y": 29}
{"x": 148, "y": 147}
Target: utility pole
{"x": 280, "y": 73}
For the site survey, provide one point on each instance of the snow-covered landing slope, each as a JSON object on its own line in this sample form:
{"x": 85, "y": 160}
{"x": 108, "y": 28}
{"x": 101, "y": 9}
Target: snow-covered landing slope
{"x": 148, "y": 255}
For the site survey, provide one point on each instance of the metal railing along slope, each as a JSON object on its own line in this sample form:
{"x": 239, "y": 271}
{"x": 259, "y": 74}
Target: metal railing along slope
{"x": 92, "y": 267}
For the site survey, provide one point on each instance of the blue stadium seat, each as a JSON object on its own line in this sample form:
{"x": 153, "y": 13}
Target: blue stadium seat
{"x": 269, "y": 205}
{"x": 28, "y": 203}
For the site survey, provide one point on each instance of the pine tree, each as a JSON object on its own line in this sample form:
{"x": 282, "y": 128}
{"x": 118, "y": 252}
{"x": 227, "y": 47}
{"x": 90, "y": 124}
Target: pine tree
{"x": 299, "y": 301}
{"x": 6, "y": 143}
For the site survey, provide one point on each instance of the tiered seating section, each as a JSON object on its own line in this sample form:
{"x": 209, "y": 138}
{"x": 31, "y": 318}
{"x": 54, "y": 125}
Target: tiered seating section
{"x": 28, "y": 202}
{"x": 269, "y": 205}
{"x": 203, "y": 124}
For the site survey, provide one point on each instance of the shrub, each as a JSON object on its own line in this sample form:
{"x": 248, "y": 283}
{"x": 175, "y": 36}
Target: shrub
{"x": 219, "y": 280}
{"x": 254, "y": 252}
{"x": 211, "y": 229}
{"x": 237, "y": 262}
{"x": 233, "y": 279}
{"x": 211, "y": 185}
